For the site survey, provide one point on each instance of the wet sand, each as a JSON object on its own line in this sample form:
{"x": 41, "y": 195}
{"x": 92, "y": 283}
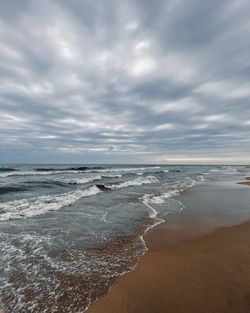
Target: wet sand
{"x": 192, "y": 266}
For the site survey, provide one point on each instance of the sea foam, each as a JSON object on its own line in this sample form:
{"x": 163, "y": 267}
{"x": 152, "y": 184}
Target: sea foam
{"x": 136, "y": 182}
{"x": 36, "y": 206}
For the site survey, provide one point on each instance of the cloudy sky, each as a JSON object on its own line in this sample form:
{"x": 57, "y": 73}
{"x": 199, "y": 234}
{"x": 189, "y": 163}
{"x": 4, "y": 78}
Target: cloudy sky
{"x": 163, "y": 81}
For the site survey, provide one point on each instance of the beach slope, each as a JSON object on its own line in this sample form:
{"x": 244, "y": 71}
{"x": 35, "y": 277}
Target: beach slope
{"x": 186, "y": 273}
{"x": 208, "y": 274}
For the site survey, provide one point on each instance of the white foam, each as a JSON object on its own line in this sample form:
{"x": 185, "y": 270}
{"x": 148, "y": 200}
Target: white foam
{"x": 123, "y": 169}
{"x": 187, "y": 183}
{"x": 112, "y": 175}
{"x": 153, "y": 215}
{"x": 81, "y": 180}
{"x": 136, "y": 182}
{"x": 34, "y": 173}
{"x": 152, "y": 212}
{"x": 36, "y": 206}
{"x": 174, "y": 190}
{"x": 106, "y": 170}
{"x": 227, "y": 170}
{"x": 159, "y": 198}
{"x": 201, "y": 179}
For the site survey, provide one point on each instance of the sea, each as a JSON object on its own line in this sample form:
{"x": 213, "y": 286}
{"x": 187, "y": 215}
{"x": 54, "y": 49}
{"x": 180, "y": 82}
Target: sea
{"x": 67, "y": 232}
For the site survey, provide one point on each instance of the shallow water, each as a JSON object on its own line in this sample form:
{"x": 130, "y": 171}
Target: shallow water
{"x": 67, "y": 232}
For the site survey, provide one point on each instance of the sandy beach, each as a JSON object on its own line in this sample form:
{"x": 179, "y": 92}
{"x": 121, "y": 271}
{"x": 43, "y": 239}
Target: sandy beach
{"x": 196, "y": 262}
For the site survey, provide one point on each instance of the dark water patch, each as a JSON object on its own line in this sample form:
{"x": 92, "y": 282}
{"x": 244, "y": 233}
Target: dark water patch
{"x": 85, "y": 168}
{"x": 30, "y": 185}
{"x": 7, "y": 169}
{"x": 175, "y": 171}
{"x": 78, "y": 168}
{"x": 50, "y": 169}
{"x": 102, "y": 187}
{"x": 160, "y": 172}
{"x": 129, "y": 174}
{"x": 8, "y": 189}
{"x": 47, "y": 183}
{"x": 44, "y": 169}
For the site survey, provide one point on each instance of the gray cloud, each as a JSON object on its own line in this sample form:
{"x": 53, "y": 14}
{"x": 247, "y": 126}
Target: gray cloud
{"x": 124, "y": 81}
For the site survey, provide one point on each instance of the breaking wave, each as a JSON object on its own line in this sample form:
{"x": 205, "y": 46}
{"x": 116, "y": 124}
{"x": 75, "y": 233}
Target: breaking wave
{"x": 136, "y": 182}
{"x": 173, "y": 191}
{"x": 36, "y": 206}
{"x": 125, "y": 169}
{"x": 227, "y": 170}
{"x": 77, "y": 168}
{"x": 34, "y": 173}
{"x": 73, "y": 170}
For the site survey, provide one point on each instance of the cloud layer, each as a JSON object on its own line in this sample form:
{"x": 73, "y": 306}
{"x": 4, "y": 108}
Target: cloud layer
{"x": 124, "y": 81}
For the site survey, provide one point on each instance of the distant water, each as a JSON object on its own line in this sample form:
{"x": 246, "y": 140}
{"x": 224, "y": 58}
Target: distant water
{"x": 67, "y": 232}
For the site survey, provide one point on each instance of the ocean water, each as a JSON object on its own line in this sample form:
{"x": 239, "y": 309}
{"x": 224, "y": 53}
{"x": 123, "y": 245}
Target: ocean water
{"x": 67, "y": 232}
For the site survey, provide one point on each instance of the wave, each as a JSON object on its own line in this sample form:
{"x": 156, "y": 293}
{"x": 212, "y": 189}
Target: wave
{"x": 189, "y": 182}
{"x": 157, "y": 171}
{"x": 84, "y": 168}
{"x": 45, "y": 183}
{"x": 34, "y": 173}
{"x": 200, "y": 179}
{"x": 158, "y": 198}
{"x": 124, "y": 169}
{"x": 178, "y": 170}
{"x": 174, "y": 190}
{"x": 77, "y": 168}
{"x": 82, "y": 180}
{"x": 112, "y": 175}
{"x": 32, "y": 184}
{"x": 36, "y": 206}
{"x": 8, "y": 189}
{"x": 224, "y": 170}
{"x": 7, "y": 169}
{"x": 136, "y": 182}
{"x": 44, "y": 169}
{"x": 150, "y": 199}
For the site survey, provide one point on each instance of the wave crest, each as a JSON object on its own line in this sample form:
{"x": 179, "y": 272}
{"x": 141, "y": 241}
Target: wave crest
{"x": 136, "y": 182}
{"x": 36, "y": 206}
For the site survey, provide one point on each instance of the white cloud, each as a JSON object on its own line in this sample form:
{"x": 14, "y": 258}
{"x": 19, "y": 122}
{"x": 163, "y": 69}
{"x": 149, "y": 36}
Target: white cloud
{"x": 132, "y": 26}
{"x": 165, "y": 126}
{"x": 224, "y": 89}
{"x": 182, "y": 105}
{"x": 111, "y": 78}
{"x": 143, "y": 66}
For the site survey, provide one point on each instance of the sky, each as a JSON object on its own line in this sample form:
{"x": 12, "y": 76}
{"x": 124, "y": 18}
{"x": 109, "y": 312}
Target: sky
{"x": 125, "y": 81}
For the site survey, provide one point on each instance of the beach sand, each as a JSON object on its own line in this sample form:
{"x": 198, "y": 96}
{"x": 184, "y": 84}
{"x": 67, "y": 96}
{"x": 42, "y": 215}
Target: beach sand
{"x": 192, "y": 266}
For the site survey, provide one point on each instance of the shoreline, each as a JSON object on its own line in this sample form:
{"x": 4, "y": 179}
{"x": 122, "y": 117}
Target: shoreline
{"x": 176, "y": 262}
